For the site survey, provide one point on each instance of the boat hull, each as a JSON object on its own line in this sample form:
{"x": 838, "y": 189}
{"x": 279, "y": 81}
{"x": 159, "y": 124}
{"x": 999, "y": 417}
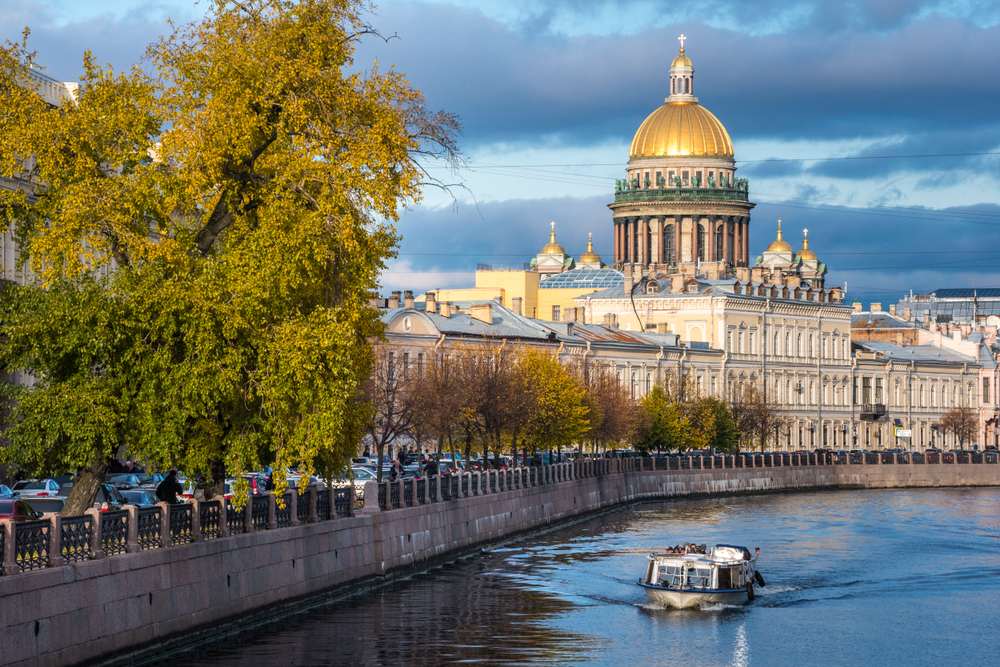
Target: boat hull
{"x": 669, "y": 597}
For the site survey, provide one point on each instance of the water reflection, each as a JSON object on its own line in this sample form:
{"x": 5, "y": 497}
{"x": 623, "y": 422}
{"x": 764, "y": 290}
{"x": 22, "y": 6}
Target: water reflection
{"x": 851, "y": 575}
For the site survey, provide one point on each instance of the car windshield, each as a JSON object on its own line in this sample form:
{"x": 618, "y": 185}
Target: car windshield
{"x": 31, "y": 486}
{"x": 6, "y": 506}
{"x": 122, "y": 479}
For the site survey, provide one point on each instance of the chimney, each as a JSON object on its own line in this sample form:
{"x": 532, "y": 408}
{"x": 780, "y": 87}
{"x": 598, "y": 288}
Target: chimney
{"x": 927, "y": 320}
{"x": 899, "y": 339}
{"x": 958, "y": 335}
{"x": 430, "y": 303}
{"x": 394, "y": 299}
{"x": 569, "y": 315}
{"x": 876, "y": 307}
{"x": 408, "y": 298}
{"x": 374, "y": 300}
{"x": 892, "y": 310}
{"x": 446, "y": 309}
{"x": 569, "y": 328}
{"x": 610, "y": 320}
{"x": 857, "y": 307}
{"x": 662, "y": 327}
{"x": 676, "y": 284}
{"x": 906, "y": 314}
{"x": 482, "y": 312}
{"x": 628, "y": 283}
{"x": 515, "y": 305}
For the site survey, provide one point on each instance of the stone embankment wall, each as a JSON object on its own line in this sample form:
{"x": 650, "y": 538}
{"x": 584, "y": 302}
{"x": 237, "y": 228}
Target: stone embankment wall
{"x": 114, "y": 606}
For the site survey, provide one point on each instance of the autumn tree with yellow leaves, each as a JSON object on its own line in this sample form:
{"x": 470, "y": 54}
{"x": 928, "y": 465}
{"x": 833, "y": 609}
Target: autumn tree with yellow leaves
{"x": 244, "y": 198}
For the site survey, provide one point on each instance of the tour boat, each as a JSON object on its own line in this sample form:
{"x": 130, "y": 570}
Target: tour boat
{"x": 724, "y": 574}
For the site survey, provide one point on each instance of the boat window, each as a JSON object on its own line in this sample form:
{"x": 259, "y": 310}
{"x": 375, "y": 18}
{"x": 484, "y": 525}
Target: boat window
{"x": 725, "y": 578}
{"x": 699, "y": 577}
{"x": 671, "y": 575}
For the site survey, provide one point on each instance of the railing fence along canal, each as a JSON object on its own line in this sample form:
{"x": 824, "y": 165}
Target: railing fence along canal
{"x": 54, "y": 540}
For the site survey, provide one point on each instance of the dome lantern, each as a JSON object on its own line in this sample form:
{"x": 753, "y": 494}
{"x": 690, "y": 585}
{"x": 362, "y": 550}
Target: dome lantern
{"x": 681, "y": 77}
{"x": 553, "y": 248}
{"x": 778, "y": 245}
{"x": 590, "y": 259}
{"x": 806, "y": 253}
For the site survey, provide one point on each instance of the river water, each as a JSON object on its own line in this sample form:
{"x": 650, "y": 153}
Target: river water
{"x": 903, "y": 577}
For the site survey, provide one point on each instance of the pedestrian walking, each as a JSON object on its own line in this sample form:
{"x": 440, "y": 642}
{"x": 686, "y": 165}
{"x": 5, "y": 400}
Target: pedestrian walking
{"x": 169, "y": 488}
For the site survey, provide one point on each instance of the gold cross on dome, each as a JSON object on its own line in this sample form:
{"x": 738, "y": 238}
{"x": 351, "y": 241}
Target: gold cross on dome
{"x": 681, "y": 40}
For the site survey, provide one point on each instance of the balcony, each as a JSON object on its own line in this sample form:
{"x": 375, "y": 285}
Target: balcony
{"x": 681, "y": 194}
{"x": 872, "y": 411}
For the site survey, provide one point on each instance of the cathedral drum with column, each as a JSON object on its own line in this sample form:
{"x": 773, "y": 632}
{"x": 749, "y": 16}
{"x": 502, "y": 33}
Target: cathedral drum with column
{"x": 681, "y": 207}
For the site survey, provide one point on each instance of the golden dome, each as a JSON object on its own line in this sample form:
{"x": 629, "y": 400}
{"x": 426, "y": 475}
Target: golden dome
{"x": 681, "y": 60}
{"x": 778, "y": 245}
{"x": 806, "y": 252}
{"x": 553, "y": 248}
{"x": 590, "y": 257}
{"x": 681, "y": 128}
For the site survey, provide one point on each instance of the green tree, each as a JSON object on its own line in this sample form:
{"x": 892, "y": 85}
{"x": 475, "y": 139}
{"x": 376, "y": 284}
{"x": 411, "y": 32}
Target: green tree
{"x": 244, "y": 199}
{"x": 665, "y": 427}
{"x": 557, "y": 415}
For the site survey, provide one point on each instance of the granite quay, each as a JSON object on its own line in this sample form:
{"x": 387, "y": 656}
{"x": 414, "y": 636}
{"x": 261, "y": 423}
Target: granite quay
{"x": 111, "y": 585}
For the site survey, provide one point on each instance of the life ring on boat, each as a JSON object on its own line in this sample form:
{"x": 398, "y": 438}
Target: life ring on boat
{"x": 759, "y": 578}
{"x": 750, "y": 591}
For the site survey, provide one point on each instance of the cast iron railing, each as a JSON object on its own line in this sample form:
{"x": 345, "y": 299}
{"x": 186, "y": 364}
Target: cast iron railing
{"x": 114, "y": 532}
{"x": 323, "y": 505}
{"x": 260, "y": 508}
{"x": 150, "y": 521}
{"x": 210, "y": 519}
{"x": 236, "y": 518}
{"x": 77, "y": 536}
{"x": 181, "y": 524}
{"x": 342, "y": 501}
{"x": 283, "y": 515}
{"x": 33, "y": 542}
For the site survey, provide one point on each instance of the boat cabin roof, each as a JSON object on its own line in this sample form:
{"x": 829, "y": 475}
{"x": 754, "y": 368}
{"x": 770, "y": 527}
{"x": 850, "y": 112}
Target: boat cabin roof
{"x": 722, "y": 554}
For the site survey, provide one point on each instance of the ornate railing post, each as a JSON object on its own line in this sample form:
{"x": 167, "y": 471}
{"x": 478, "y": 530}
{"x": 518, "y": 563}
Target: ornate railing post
{"x": 311, "y": 499}
{"x": 248, "y": 526}
{"x": 293, "y": 506}
{"x": 272, "y": 511}
{"x": 132, "y": 542}
{"x": 55, "y": 554}
{"x": 165, "y": 540}
{"x": 96, "y": 548}
{"x": 223, "y": 521}
{"x": 9, "y": 563}
{"x": 195, "y": 520}
{"x": 371, "y": 499}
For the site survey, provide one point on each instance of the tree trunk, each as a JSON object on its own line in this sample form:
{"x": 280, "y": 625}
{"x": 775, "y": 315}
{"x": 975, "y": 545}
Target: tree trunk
{"x": 81, "y": 497}
{"x": 217, "y": 472}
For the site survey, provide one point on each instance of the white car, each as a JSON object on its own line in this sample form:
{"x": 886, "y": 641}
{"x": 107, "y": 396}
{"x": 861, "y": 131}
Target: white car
{"x": 361, "y": 475}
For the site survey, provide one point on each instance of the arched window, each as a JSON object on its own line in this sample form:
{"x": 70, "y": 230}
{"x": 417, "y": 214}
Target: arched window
{"x": 812, "y": 347}
{"x": 687, "y": 85}
{"x": 788, "y": 345}
{"x": 635, "y": 385}
{"x": 701, "y": 242}
{"x": 668, "y": 245}
{"x": 798, "y": 345}
{"x": 776, "y": 348}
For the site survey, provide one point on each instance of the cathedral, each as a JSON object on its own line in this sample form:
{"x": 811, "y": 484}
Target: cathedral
{"x": 682, "y": 210}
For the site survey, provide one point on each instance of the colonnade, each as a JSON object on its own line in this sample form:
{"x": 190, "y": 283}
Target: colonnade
{"x": 657, "y": 239}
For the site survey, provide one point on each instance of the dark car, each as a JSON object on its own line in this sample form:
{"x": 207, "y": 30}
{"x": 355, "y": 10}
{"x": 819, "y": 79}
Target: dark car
{"x": 123, "y": 481}
{"x": 16, "y": 509}
{"x": 140, "y": 497}
{"x": 106, "y": 493}
{"x": 53, "y": 505}
{"x": 150, "y": 480}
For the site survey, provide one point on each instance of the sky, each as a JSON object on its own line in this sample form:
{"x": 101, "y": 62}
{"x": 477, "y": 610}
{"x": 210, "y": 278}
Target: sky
{"x": 874, "y": 124}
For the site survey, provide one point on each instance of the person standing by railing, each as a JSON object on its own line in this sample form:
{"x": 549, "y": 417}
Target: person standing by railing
{"x": 169, "y": 488}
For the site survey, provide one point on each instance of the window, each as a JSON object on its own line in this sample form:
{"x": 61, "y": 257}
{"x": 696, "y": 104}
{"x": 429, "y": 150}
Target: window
{"x": 812, "y": 349}
{"x": 701, "y": 242}
{"x": 922, "y": 395}
{"x": 825, "y": 349}
{"x": 685, "y": 177}
{"x": 668, "y": 241}
{"x": 635, "y": 385}
{"x": 750, "y": 344}
{"x": 986, "y": 390}
{"x": 649, "y": 382}
{"x": 555, "y": 313}
{"x": 788, "y": 345}
{"x": 697, "y": 179}
{"x": 854, "y": 396}
{"x": 866, "y": 390}
{"x": 933, "y": 396}
{"x": 812, "y": 392}
{"x": 729, "y": 341}
{"x": 798, "y": 345}
{"x": 740, "y": 348}
{"x": 878, "y": 391}
{"x": 718, "y": 243}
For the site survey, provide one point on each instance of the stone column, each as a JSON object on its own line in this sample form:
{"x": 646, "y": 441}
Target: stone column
{"x": 629, "y": 241}
{"x": 745, "y": 224}
{"x": 311, "y": 494}
{"x": 10, "y": 547}
{"x": 195, "y": 519}
{"x": 617, "y": 253}
{"x": 55, "y": 539}
{"x": 694, "y": 238}
{"x": 223, "y": 520}
{"x": 678, "y": 223}
{"x": 725, "y": 239}
{"x": 371, "y": 498}
{"x": 643, "y": 250}
{"x": 165, "y": 524}
{"x": 272, "y": 506}
{"x": 655, "y": 244}
{"x": 293, "y": 506}
{"x": 132, "y": 543}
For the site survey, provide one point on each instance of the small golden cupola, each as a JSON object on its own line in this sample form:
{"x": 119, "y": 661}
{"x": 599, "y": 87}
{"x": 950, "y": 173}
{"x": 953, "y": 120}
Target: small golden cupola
{"x": 807, "y": 254}
{"x": 778, "y": 245}
{"x": 553, "y": 248}
{"x": 590, "y": 259}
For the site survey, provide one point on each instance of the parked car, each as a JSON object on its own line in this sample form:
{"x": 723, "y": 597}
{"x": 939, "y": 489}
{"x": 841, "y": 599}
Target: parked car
{"x": 150, "y": 480}
{"x": 140, "y": 497}
{"x": 106, "y": 493}
{"x": 5, "y": 491}
{"x": 361, "y": 475}
{"x": 35, "y": 488}
{"x": 16, "y": 509}
{"x": 125, "y": 481}
{"x": 51, "y": 505}
{"x": 258, "y": 483}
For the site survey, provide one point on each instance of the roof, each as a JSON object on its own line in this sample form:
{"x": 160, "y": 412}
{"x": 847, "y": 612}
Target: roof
{"x": 925, "y": 353}
{"x": 879, "y": 321}
{"x": 967, "y": 292}
{"x": 583, "y": 279}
